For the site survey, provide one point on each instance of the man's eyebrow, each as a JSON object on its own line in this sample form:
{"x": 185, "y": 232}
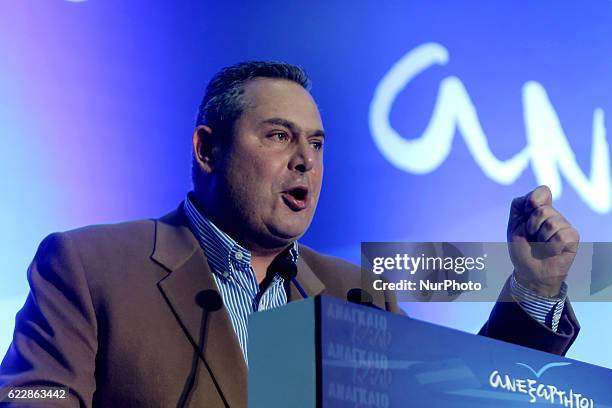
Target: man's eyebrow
{"x": 291, "y": 126}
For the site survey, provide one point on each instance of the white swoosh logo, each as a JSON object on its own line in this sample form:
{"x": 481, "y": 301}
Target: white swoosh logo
{"x": 545, "y": 368}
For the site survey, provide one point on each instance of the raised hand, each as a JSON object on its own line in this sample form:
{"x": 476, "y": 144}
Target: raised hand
{"x": 541, "y": 242}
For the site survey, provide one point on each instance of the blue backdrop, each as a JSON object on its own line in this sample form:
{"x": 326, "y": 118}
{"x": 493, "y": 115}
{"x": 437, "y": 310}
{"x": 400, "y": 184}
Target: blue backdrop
{"x": 437, "y": 115}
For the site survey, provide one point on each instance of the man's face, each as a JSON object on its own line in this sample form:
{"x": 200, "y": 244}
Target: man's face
{"x": 272, "y": 167}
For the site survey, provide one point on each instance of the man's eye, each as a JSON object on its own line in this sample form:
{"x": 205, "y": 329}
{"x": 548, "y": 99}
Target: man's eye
{"x": 280, "y": 136}
{"x": 317, "y": 145}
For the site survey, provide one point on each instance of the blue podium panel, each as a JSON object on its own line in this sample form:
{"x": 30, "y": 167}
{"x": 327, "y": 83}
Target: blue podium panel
{"x": 283, "y": 370}
{"x": 365, "y": 357}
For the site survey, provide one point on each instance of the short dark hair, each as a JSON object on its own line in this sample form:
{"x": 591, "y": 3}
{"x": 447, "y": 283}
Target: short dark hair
{"x": 223, "y": 102}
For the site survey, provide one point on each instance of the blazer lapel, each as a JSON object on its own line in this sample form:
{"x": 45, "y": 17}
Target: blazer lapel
{"x": 180, "y": 253}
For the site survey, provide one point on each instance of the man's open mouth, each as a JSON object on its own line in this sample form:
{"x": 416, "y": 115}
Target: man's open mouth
{"x": 296, "y": 198}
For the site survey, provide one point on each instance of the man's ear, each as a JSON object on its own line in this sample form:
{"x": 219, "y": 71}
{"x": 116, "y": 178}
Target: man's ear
{"x": 204, "y": 146}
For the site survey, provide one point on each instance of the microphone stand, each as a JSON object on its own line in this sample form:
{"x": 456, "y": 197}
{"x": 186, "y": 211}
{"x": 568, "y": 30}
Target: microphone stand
{"x": 210, "y": 301}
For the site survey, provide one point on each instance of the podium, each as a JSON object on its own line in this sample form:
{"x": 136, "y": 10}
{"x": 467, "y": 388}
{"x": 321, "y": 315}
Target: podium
{"x": 323, "y": 352}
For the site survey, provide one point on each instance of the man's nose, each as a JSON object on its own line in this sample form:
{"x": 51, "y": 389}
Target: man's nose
{"x": 303, "y": 158}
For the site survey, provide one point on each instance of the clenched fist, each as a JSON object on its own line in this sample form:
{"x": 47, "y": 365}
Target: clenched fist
{"x": 541, "y": 242}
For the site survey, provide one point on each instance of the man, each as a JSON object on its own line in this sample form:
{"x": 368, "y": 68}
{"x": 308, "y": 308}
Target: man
{"x": 114, "y": 311}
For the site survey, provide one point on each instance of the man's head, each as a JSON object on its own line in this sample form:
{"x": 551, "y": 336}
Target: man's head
{"x": 258, "y": 158}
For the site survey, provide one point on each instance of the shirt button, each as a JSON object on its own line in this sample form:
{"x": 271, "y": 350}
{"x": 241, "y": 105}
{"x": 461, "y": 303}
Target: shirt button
{"x": 225, "y": 274}
{"x": 239, "y": 256}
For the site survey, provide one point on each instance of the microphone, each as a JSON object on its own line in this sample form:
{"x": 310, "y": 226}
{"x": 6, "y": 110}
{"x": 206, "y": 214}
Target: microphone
{"x": 361, "y": 297}
{"x": 287, "y": 269}
{"x": 210, "y": 301}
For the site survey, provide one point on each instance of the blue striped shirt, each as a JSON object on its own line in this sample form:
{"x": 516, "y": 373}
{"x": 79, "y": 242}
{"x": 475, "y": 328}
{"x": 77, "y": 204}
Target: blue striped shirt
{"x": 234, "y": 275}
{"x": 545, "y": 310}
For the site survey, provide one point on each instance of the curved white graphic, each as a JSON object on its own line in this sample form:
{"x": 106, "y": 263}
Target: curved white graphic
{"x": 547, "y": 149}
{"x": 544, "y": 368}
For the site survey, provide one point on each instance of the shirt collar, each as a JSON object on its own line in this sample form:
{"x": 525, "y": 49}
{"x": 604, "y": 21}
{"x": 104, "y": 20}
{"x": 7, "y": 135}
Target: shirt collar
{"x": 221, "y": 249}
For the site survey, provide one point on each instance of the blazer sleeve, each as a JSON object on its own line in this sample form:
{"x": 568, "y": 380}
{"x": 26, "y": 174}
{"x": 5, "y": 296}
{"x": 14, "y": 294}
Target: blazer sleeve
{"x": 511, "y": 323}
{"x": 55, "y": 337}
